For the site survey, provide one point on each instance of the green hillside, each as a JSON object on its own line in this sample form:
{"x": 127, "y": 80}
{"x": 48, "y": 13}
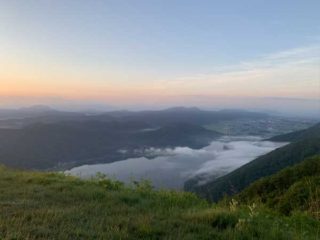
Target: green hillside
{"x": 293, "y": 188}
{"x": 53, "y": 206}
{"x": 306, "y": 145}
{"x": 312, "y": 132}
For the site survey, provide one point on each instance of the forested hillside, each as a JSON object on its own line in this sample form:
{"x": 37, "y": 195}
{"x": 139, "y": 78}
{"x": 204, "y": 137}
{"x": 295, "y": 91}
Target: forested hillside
{"x": 293, "y": 188}
{"x": 312, "y": 132}
{"x": 306, "y": 145}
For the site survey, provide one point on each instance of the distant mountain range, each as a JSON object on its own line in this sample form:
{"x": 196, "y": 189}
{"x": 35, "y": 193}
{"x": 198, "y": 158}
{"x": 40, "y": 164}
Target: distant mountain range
{"x": 42, "y": 114}
{"x": 305, "y": 143}
{"x": 30, "y": 112}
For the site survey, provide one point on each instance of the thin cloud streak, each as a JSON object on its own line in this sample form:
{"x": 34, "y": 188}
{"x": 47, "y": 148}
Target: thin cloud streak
{"x": 290, "y": 73}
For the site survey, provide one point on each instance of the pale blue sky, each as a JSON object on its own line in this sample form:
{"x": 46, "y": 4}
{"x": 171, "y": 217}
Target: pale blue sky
{"x": 148, "y": 44}
{"x": 162, "y": 35}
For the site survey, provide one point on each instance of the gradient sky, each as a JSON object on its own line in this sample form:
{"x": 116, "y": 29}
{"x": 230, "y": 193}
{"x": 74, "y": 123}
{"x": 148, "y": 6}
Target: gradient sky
{"x": 123, "y": 52}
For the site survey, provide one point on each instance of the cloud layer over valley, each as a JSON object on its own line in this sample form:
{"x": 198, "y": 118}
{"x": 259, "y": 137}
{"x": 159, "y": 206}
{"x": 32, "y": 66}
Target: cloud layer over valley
{"x": 175, "y": 166}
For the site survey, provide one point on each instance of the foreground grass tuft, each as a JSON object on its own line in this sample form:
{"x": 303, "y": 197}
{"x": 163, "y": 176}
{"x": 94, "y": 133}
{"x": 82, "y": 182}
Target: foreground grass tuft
{"x": 53, "y": 206}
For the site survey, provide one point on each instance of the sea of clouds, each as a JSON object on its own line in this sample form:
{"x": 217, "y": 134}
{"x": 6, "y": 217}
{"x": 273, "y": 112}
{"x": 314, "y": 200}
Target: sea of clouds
{"x": 175, "y": 166}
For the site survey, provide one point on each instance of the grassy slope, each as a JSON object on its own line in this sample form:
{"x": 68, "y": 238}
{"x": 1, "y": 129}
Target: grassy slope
{"x": 52, "y": 206}
{"x": 262, "y": 166}
{"x": 293, "y": 188}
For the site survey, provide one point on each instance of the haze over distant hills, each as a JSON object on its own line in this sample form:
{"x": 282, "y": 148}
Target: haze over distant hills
{"x": 36, "y": 111}
{"x": 35, "y": 114}
{"x": 282, "y": 106}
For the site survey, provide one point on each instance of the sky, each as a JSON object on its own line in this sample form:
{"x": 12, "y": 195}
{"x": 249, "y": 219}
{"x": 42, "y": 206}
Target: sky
{"x": 154, "y": 53}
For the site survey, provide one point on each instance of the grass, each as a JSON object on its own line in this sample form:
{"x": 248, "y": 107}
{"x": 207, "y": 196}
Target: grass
{"x": 53, "y": 206}
{"x": 293, "y": 188}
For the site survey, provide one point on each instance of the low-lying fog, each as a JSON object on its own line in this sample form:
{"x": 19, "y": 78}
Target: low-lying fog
{"x": 175, "y": 166}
